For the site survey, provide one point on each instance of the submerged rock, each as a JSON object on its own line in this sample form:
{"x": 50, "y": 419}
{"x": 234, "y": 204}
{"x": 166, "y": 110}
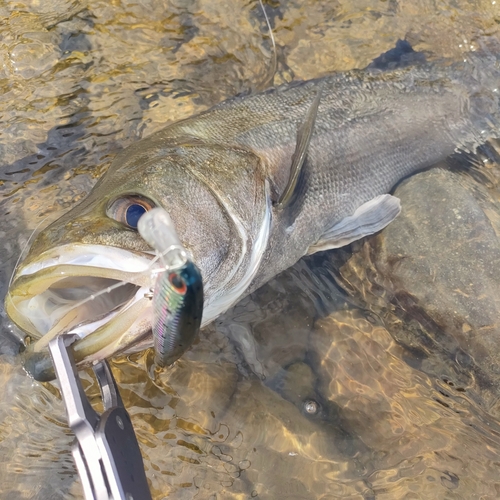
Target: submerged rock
{"x": 433, "y": 276}
{"x": 415, "y": 428}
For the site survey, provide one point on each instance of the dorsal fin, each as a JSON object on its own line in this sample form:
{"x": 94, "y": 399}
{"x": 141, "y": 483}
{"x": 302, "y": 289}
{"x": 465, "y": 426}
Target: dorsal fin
{"x": 304, "y": 134}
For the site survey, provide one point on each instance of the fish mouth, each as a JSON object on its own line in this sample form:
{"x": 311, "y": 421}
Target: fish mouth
{"x": 98, "y": 292}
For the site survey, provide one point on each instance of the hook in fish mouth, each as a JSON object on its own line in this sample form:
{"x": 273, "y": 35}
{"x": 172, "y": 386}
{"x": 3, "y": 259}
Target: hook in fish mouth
{"x": 101, "y": 293}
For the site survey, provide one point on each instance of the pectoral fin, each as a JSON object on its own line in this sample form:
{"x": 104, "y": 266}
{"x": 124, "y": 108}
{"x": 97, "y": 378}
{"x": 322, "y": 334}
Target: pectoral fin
{"x": 304, "y": 134}
{"x": 369, "y": 218}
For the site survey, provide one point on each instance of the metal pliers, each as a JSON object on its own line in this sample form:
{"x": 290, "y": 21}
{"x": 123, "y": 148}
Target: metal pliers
{"x": 106, "y": 451}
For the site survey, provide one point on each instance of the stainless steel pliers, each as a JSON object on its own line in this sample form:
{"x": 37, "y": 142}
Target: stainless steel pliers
{"x": 106, "y": 451}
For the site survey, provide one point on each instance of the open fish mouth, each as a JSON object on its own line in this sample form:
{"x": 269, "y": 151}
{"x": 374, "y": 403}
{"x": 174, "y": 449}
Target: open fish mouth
{"x": 98, "y": 292}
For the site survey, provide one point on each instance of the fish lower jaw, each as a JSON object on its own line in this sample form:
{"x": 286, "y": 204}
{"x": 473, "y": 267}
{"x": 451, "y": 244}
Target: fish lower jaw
{"x": 111, "y": 333}
{"x": 126, "y": 331}
{"x": 108, "y": 308}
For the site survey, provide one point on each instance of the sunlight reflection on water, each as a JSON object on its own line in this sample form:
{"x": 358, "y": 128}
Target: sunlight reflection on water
{"x": 80, "y": 81}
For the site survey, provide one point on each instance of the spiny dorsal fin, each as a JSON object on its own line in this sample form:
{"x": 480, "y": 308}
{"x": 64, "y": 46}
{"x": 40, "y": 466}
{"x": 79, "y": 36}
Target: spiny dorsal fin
{"x": 303, "y": 140}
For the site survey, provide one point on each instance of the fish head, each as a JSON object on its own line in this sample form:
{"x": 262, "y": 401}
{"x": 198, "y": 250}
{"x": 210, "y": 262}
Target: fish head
{"x": 90, "y": 272}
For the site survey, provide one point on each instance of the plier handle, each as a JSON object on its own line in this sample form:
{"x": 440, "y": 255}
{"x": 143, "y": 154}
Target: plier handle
{"x": 106, "y": 451}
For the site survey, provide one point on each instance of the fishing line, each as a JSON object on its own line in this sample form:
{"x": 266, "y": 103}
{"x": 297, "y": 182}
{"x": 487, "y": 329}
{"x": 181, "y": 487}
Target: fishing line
{"x": 44, "y": 340}
{"x": 152, "y": 272}
{"x": 91, "y": 297}
{"x": 270, "y": 77}
{"x": 268, "y": 81}
{"x": 115, "y": 286}
{"x": 111, "y": 288}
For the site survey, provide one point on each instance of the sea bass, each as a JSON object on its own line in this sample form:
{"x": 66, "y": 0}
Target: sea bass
{"x": 251, "y": 185}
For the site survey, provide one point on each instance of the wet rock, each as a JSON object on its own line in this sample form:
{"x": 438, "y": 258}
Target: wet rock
{"x": 433, "y": 275}
{"x": 208, "y": 428}
{"x": 415, "y": 427}
{"x": 278, "y": 432}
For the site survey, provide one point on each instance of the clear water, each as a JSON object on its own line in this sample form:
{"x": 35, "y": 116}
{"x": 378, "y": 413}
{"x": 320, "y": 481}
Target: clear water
{"x": 81, "y": 80}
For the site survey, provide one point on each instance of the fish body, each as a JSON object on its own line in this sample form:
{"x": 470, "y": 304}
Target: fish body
{"x": 220, "y": 175}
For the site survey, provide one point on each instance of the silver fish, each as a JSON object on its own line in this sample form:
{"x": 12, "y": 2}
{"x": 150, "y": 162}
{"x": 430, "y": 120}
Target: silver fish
{"x": 251, "y": 185}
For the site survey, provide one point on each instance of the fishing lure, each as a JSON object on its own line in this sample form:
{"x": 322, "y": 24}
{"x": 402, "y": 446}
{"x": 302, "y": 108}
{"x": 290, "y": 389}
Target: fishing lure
{"x": 177, "y": 292}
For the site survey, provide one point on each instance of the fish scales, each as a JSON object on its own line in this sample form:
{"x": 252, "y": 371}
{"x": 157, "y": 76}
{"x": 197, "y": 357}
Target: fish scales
{"x": 220, "y": 174}
{"x": 372, "y": 130}
{"x": 377, "y": 127}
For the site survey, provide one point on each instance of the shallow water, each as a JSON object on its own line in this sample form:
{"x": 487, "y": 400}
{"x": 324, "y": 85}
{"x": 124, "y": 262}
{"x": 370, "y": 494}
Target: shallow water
{"x": 81, "y": 80}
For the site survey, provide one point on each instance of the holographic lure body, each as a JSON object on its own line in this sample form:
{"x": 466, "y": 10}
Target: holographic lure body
{"x": 178, "y": 289}
{"x": 177, "y": 311}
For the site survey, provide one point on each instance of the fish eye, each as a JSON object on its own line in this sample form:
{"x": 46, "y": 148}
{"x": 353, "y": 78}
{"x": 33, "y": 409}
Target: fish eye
{"x": 129, "y": 209}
